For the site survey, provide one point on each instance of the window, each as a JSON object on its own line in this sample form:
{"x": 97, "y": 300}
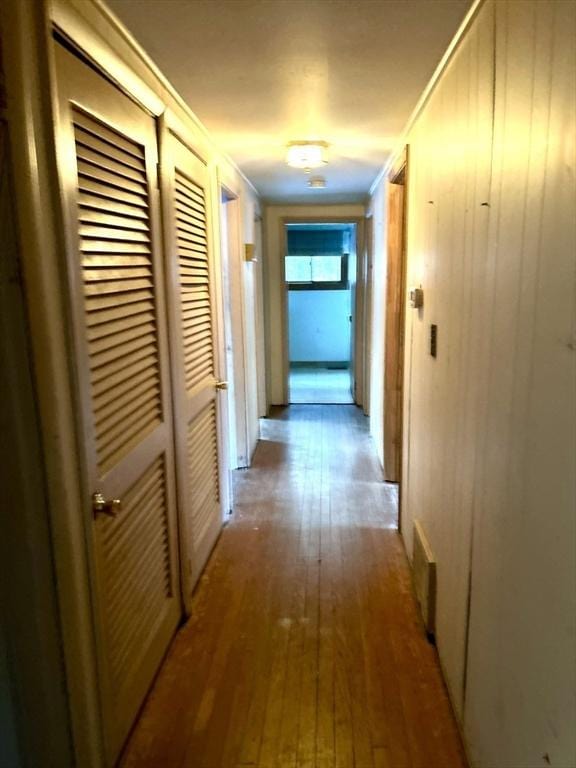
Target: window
{"x": 317, "y": 272}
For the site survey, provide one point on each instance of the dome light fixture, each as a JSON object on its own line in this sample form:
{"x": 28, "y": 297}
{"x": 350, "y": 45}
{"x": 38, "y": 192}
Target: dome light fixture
{"x": 306, "y": 154}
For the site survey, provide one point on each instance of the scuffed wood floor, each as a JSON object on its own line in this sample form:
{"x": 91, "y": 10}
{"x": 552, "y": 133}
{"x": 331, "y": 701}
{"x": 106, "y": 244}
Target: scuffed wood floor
{"x": 304, "y": 649}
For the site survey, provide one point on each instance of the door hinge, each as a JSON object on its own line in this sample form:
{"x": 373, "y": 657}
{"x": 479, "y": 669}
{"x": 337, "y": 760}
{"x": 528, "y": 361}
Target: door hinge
{"x": 157, "y": 175}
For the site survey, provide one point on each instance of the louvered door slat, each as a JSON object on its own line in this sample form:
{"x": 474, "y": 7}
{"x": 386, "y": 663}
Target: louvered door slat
{"x": 113, "y": 395}
{"x": 108, "y": 178}
{"x": 111, "y": 197}
{"x": 90, "y": 141}
{"x": 190, "y": 274}
{"x": 116, "y": 441}
{"x": 137, "y": 393}
{"x": 120, "y": 247}
{"x": 189, "y": 193}
{"x": 104, "y": 329}
{"x": 96, "y": 302}
{"x": 121, "y": 275}
{"x": 99, "y": 206}
{"x": 92, "y": 215}
{"x": 109, "y": 164}
{"x": 131, "y": 230}
{"x": 187, "y": 219}
{"x": 121, "y": 373}
{"x": 203, "y": 468}
{"x": 195, "y": 323}
{"x": 119, "y": 312}
{"x": 113, "y": 340}
{"x": 115, "y": 260}
{"x": 108, "y": 136}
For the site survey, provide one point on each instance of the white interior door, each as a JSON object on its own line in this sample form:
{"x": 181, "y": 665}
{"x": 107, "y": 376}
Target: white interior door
{"x": 185, "y": 187}
{"x": 107, "y": 159}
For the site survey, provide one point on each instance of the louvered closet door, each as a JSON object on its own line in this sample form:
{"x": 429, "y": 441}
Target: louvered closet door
{"x": 108, "y": 163}
{"x": 186, "y": 214}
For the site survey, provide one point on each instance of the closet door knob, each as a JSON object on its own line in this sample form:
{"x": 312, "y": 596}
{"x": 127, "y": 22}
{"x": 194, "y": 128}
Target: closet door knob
{"x": 102, "y": 506}
{"x": 221, "y": 385}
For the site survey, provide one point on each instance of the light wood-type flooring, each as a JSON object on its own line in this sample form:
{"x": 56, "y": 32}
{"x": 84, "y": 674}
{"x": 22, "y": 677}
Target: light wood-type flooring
{"x": 304, "y": 649}
{"x": 320, "y": 385}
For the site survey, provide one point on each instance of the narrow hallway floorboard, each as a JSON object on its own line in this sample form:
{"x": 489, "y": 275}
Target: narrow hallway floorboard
{"x": 304, "y": 649}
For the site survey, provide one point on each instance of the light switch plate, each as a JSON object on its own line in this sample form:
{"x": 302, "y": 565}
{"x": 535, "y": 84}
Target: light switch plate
{"x": 416, "y": 298}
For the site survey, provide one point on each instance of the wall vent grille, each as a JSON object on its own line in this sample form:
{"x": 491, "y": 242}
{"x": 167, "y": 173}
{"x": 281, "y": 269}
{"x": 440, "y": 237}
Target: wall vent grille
{"x": 424, "y": 574}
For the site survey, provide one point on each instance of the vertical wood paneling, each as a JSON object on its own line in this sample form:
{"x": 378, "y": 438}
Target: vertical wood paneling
{"x": 450, "y": 150}
{"x": 522, "y": 666}
{"x": 490, "y": 423}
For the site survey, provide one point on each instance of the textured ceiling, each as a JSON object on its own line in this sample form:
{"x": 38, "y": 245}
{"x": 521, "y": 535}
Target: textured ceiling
{"x": 260, "y": 73}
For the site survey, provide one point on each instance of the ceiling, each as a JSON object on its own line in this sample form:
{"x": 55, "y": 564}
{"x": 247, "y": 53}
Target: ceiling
{"x": 261, "y": 73}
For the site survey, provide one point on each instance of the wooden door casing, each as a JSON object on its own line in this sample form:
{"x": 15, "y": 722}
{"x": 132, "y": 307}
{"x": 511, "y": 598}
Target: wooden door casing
{"x": 394, "y": 349}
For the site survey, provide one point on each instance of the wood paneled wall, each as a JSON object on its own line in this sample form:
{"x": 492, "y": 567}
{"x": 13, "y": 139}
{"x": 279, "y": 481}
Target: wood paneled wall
{"x": 520, "y": 703}
{"x": 490, "y": 429}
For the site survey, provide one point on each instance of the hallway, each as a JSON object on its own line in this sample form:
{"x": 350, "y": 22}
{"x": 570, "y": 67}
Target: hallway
{"x": 305, "y": 648}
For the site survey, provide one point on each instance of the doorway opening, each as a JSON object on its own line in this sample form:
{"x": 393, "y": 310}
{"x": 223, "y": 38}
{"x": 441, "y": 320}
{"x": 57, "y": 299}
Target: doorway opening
{"x": 320, "y": 274}
{"x": 234, "y": 418}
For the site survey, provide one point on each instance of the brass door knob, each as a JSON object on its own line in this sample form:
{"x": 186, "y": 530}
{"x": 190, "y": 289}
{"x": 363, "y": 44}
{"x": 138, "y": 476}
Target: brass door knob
{"x": 102, "y": 506}
{"x": 221, "y": 385}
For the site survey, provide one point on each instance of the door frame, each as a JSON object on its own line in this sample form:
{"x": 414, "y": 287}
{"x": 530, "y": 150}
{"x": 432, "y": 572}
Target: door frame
{"x": 234, "y": 324}
{"x": 30, "y": 78}
{"x": 358, "y": 221}
{"x": 395, "y": 311}
{"x": 368, "y": 305}
{"x": 32, "y": 690}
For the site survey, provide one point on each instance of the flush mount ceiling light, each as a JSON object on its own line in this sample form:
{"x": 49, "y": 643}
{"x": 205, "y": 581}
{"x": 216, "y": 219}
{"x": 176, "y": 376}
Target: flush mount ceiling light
{"x": 317, "y": 182}
{"x": 306, "y": 154}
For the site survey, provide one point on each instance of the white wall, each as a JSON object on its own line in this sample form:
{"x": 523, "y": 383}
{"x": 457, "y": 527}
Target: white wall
{"x": 490, "y": 428}
{"x": 274, "y": 266}
{"x": 242, "y": 313}
{"x": 252, "y": 329}
{"x": 319, "y": 326}
{"x": 377, "y": 210}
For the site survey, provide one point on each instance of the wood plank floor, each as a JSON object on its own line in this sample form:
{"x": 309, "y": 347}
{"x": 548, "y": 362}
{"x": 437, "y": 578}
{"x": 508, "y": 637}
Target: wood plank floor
{"x": 304, "y": 649}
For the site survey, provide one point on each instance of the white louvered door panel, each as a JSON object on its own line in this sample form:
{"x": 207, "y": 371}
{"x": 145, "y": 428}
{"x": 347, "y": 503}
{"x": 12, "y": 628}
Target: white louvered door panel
{"x": 193, "y": 336}
{"x": 107, "y": 159}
